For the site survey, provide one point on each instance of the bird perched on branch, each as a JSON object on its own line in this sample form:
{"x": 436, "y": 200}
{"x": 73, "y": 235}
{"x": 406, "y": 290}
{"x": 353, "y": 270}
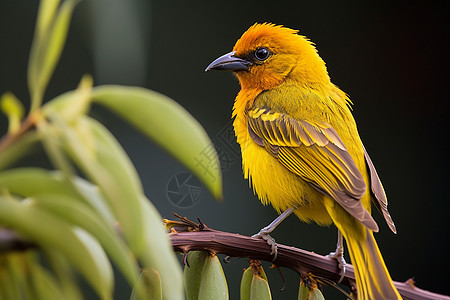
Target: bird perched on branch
{"x": 301, "y": 149}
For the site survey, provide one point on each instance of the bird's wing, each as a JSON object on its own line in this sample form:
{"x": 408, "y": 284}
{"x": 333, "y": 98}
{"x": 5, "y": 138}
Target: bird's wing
{"x": 316, "y": 154}
{"x": 377, "y": 192}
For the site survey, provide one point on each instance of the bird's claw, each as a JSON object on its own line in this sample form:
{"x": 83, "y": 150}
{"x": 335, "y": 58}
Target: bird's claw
{"x": 339, "y": 257}
{"x": 270, "y": 241}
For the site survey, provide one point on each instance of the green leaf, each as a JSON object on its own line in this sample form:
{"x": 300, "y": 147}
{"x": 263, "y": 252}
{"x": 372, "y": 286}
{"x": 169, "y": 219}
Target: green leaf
{"x": 8, "y": 283}
{"x": 95, "y": 198}
{"x": 260, "y": 289}
{"x": 151, "y": 281}
{"x": 13, "y": 109}
{"x": 30, "y": 182}
{"x": 50, "y": 37}
{"x": 309, "y": 293}
{"x": 193, "y": 273}
{"x": 44, "y": 20}
{"x": 214, "y": 284}
{"x": 15, "y": 278}
{"x": 67, "y": 280}
{"x": 303, "y": 292}
{"x": 97, "y": 153}
{"x": 169, "y": 125}
{"x": 73, "y": 104}
{"x": 101, "y": 262}
{"x": 51, "y": 140}
{"x": 77, "y": 213}
{"x": 316, "y": 294}
{"x": 46, "y": 13}
{"x": 49, "y": 231}
{"x": 246, "y": 283}
{"x": 19, "y": 266}
{"x": 44, "y": 284}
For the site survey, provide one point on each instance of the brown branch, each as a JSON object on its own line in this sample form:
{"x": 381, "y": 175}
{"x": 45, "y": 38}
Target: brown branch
{"x": 26, "y": 125}
{"x": 303, "y": 262}
{"x": 188, "y": 236}
{"x": 11, "y": 241}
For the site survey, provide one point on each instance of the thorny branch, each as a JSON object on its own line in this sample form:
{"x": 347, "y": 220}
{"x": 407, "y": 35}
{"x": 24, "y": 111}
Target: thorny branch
{"x": 188, "y": 236}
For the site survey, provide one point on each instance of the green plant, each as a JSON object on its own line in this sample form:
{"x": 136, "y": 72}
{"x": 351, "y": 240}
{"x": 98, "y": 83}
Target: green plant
{"x": 79, "y": 224}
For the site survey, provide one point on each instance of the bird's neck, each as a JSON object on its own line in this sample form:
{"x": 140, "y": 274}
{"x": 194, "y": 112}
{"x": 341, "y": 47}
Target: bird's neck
{"x": 244, "y": 101}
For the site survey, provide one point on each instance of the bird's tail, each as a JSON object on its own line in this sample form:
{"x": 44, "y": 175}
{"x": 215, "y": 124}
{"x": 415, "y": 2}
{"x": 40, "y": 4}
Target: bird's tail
{"x": 373, "y": 281}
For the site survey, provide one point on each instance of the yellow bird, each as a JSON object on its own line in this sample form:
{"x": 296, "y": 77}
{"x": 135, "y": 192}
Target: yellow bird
{"x": 301, "y": 149}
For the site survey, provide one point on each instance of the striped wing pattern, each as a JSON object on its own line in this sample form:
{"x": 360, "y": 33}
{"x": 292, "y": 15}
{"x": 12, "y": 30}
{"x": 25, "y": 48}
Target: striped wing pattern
{"x": 316, "y": 154}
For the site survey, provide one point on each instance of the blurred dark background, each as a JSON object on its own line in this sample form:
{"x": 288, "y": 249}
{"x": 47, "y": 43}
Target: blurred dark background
{"x": 390, "y": 57}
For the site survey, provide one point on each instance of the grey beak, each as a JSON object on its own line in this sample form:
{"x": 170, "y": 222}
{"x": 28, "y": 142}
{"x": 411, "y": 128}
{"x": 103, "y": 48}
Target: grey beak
{"x": 229, "y": 62}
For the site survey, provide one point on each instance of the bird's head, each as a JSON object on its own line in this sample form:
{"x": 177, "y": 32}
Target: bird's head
{"x": 267, "y": 54}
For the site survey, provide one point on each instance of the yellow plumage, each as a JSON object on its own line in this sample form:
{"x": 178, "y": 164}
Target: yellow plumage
{"x": 300, "y": 146}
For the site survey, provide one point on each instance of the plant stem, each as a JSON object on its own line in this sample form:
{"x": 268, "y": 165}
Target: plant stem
{"x": 26, "y": 125}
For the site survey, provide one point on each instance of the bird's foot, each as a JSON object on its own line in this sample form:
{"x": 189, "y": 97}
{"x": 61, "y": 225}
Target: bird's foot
{"x": 262, "y": 234}
{"x": 339, "y": 256}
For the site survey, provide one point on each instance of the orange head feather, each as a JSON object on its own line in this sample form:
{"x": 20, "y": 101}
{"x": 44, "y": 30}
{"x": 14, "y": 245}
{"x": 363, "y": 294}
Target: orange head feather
{"x": 290, "y": 56}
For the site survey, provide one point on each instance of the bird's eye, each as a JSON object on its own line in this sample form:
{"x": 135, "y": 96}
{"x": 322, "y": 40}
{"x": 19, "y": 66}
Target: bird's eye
{"x": 262, "y": 53}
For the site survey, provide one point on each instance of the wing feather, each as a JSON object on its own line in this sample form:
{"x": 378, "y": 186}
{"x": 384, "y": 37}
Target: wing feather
{"x": 378, "y": 193}
{"x": 315, "y": 135}
{"x": 316, "y": 154}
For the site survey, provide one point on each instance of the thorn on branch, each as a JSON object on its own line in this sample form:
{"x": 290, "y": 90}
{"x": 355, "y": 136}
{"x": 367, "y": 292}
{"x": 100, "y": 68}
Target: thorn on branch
{"x": 281, "y": 275}
{"x": 185, "y": 260}
{"x": 411, "y": 282}
{"x": 184, "y": 225}
{"x": 201, "y": 225}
